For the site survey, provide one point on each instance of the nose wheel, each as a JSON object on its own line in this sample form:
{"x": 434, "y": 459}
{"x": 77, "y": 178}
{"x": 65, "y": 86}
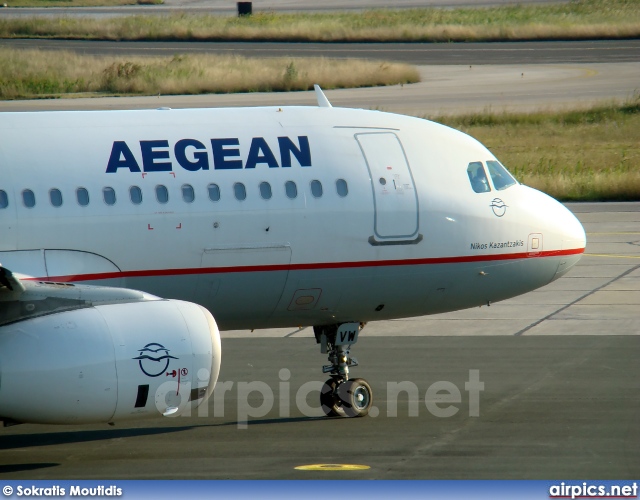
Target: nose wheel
{"x": 341, "y": 396}
{"x": 346, "y": 398}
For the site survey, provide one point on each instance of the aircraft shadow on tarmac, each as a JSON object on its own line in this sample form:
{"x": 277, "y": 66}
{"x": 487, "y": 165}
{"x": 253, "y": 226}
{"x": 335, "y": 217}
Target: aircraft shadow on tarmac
{"x": 57, "y": 438}
{"x": 69, "y": 437}
{"x": 275, "y": 421}
{"x": 4, "y": 469}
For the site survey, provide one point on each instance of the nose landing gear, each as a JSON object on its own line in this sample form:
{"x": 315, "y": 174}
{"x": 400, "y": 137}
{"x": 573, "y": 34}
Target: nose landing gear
{"x": 340, "y": 395}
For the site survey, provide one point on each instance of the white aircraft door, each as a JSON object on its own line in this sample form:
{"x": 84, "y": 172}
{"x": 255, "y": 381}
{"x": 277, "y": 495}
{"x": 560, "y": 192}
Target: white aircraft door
{"x": 394, "y": 191}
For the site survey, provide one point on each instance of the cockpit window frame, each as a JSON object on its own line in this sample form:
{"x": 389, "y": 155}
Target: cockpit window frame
{"x": 501, "y": 173}
{"x": 479, "y": 183}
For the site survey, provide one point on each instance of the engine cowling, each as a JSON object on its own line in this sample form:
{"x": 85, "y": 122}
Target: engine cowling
{"x": 108, "y": 363}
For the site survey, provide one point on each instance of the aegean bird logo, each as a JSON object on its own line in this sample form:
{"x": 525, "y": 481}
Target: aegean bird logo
{"x": 498, "y": 206}
{"x": 154, "y": 359}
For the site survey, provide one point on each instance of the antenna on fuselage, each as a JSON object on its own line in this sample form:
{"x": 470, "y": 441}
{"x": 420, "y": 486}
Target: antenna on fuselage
{"x": 323, "y": 102}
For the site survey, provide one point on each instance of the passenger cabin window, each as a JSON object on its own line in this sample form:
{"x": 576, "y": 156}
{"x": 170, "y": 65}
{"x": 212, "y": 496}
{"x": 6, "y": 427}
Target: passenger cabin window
{"x": 265, "y": 190}
{"x": 109, "y": 195}
{"x": 291, "y": 189}
{"x": 135, "y": 195}
{"x": 214, "y": 192}
{"x": 316, "y": 189}
{"x": 162, "y": 194}
{"x": 342, "y": 188}
{"x": 478, "y": 177}
{"x": 239, "y": 191}
{"x": 82, "y": 195}
{"x": 188, "y": 195}
{"x": 501, "y": 178}
{"x": 28, "y": 198}
{"x": 4, "y": 199}
{"x": 55, "y": 196}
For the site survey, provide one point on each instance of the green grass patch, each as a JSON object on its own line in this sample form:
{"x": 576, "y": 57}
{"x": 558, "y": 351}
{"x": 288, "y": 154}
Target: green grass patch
{"x": 33, "y": 74}
{"x": 578, "y": 19}
{"x": 587, "y": 155}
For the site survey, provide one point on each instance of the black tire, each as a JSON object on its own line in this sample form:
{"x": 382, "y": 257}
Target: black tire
{"x": 356, "y": 397}
{"x": 331, "y": 404}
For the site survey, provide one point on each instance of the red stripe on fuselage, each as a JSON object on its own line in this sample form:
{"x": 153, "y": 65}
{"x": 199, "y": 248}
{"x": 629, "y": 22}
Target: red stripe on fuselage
{"x": 299, "y": 267}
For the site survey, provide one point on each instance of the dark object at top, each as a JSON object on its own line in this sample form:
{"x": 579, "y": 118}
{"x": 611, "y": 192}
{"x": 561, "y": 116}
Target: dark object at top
{"x": 244, "y": 9}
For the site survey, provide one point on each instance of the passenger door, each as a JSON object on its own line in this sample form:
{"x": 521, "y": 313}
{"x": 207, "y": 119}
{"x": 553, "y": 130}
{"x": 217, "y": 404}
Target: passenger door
{"x": 396, "y": 215}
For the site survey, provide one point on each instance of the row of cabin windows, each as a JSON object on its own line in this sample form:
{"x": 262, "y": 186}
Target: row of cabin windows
{"x": 162, "y": 193}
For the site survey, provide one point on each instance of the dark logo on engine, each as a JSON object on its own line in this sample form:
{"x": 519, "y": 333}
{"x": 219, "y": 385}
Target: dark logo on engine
{"x": 498, "y": 206}
{"x": 154, "y": 359}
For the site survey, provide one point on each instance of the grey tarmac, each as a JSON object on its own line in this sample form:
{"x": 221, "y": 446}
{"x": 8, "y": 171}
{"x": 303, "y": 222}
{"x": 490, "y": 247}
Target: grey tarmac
{"x": 226, "y": 7}
{"x": 561, "y": 394}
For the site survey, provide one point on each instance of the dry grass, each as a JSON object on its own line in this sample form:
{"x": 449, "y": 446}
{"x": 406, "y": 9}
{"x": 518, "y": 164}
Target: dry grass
{"x": 579, "y": 19}
{"x": 589, "y": 186}
{"x": 578, "y": 155}
{"x": 28, "y": 74}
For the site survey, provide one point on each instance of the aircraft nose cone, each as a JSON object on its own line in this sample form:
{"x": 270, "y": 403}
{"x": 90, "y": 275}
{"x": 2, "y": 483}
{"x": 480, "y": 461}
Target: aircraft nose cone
{"x": 557, "y": 222}
{"x": 573, "y": 235}
{"x": 573, "y": 240}
{"x": 563, "y": 234}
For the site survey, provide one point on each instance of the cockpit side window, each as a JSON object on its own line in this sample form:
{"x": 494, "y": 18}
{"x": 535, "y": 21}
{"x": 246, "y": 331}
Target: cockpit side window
{"x": 4, "y": 199}
{"x": 478, "y": 177}
{"x": 501, "y": 178}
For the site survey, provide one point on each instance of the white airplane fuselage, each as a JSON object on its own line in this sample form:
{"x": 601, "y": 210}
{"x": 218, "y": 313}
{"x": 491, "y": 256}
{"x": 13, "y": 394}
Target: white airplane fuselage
{"x": 408, "y": 237}
{"x": 240, "y": 218}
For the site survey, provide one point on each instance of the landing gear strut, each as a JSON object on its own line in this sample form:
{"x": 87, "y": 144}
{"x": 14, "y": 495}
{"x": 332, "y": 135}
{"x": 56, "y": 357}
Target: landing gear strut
{"x": 340, "y": 395}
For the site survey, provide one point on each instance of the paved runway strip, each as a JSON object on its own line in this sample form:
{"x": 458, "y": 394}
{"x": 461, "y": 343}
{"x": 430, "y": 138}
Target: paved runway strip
{"x": 561, "y": 394}
{"x": 443, "y": 90}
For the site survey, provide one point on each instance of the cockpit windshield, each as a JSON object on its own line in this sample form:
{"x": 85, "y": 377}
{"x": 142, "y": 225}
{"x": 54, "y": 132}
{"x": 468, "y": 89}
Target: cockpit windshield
{"x": 478, "y": 177}
{"x": 501, "y": 178}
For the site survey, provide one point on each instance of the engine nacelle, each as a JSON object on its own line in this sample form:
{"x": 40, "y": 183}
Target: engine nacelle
{"x": 108, "y": 363}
